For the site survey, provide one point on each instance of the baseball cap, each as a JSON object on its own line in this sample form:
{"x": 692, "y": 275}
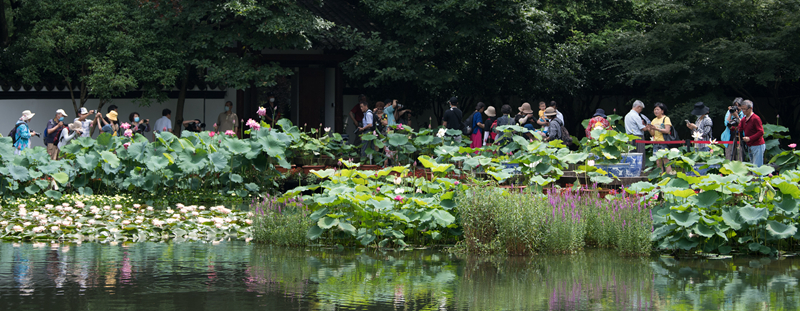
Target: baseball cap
{"x": 84, "y": 110}
{"x": 61, "y": 111}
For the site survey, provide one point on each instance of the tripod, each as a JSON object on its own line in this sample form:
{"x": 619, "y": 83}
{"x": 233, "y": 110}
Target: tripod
{"x": 736, "y": 153}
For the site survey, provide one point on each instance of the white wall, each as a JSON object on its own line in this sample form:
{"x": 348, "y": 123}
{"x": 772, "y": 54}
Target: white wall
{"x": 45, "y": 109}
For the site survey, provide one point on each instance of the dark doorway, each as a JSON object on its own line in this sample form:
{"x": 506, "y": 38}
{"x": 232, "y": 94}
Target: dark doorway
{"x": 312, "y": 97}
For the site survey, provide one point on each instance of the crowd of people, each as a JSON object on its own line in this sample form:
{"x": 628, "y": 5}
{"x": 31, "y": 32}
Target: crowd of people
{"x": 59, "y": 132}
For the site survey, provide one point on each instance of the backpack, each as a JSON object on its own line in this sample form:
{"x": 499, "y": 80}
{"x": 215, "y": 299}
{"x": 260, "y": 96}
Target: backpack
{"x": 13, "y": 133}
{"x": 563, "y": 133}
{"x": 466, "y": 126}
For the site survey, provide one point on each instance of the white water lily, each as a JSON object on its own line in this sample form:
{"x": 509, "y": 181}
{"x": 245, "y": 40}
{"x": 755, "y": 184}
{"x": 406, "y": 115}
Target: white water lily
{"x": 398, "y": 181}
{"x": 17, "y": 228}
{"x": 38, "y": 229}
{"x": 126, "y": 222}
{"x": 27, "y": 223}
{"x": 697, "y": 135}
{"x": 54, "y": 229}
{"x": 399, "y": 191}
{"x": 441, "y": 133}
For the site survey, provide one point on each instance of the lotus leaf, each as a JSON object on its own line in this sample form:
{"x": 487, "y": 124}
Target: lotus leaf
{"x": 685, "y": 219}
{"x": 780, "y": 230}
{"x": 752, "y": 215}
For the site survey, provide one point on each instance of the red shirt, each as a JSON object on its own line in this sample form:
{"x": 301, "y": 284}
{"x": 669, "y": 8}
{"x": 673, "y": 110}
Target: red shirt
{"x": 597, "y": 121}
{"x": 357, "y": 113}
{"x": 751, "y": 127}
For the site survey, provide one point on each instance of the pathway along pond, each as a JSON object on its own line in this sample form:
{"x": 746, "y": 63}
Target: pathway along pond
{"x": 240, "y": 276}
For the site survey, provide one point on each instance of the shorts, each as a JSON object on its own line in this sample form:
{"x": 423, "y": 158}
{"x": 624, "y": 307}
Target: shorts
{"x": 657, "y": 147}
{"x": 52, "y": 150}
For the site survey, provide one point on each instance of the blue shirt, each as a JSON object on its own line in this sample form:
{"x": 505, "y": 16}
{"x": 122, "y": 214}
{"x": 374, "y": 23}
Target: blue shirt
{"x": 389, "y": 111}
{"x": 23, "y": 136}
{"x": 476, "y": 118}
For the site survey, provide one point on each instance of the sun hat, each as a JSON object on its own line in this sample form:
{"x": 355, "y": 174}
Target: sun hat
{"x": 61, "y": 111}
{"x": 27, "y": 114}
{"x": 550, "y": 112}
{"x": 600, "y": 112}
{"x": 700, "y": 109}
{"x": 490, "y": 111}
{"x": 526, "y": 108}
{"x": 112, "y": 115}
{"x": 75, "y": 126}
{"x": 84, "y": 110}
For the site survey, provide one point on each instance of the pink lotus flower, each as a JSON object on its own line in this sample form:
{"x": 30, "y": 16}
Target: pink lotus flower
{"x": 792, "y": 145}
{"x": 125, "y": 125}
{"x": 128, "y": 133}
{"x": 398, "y": 198}
{"x": 262, "y": 111}
{"x": 456, "y": 183}
{"x": 126, "y": 145}
{"x": 164, "y": 129}
{"x": 230, "y": 133}
{"x": 379, "y": 189}
{"x": 210, "y": 134}
{"x": 253, "y": 124}
{"x": 215, "y": 125}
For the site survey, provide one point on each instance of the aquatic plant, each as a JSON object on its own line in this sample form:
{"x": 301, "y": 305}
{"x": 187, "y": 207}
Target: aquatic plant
{"x": 78, "y": 221}
{"x": 280, "y": 222}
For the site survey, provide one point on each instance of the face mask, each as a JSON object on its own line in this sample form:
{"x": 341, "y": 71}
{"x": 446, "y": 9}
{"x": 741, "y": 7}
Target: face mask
{"x": 61, "y": 119}
{"x": 227, "y": 108}
{"x": 272, "y": 100}
{"x": 136, "y": 119}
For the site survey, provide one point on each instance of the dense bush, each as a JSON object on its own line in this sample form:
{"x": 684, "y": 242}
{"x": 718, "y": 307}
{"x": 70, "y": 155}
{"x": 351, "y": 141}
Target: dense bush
{"x": 280, "y": 222}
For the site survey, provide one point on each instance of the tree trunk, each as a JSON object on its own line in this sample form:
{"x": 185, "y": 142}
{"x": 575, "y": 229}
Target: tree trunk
{"x": 178, "y": 116}
{"x": 3, "y": 24}
{"x": 99, "y": 109}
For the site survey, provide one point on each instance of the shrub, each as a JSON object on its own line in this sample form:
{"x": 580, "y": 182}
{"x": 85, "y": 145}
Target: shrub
{"x": 280, "y": 222}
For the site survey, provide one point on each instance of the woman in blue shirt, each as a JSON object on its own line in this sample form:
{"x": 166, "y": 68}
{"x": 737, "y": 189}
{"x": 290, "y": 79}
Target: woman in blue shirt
{"x": 477, "y": 126}
{"x": 23, "y": 133}
{"x": 389, "y": 111}
{"x": 726, "y": 135}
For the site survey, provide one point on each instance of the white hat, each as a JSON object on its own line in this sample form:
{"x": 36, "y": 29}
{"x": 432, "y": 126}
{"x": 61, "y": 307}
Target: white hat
{"x": 84, "y": 110}
{"x": 27, "y": 114}
{"x": 61, "y": 111}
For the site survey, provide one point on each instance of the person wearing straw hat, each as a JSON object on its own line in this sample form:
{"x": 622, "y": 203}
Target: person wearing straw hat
{"x": 22, "y": 135}
{"x": 491, "y": 117}
{"x": 702, "y": 127}
{"x": 74, "y": 129}
{"x": 524, "y": 111}
{"x": 52, "y": 131}
{"x": 598, "y": 120}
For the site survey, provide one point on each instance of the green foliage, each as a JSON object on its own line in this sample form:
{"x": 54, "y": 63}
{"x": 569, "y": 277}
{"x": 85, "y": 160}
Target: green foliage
{"x": 379, "y": 208}
{"x": 741, "y": 209}
{"x": 280, "y": 223}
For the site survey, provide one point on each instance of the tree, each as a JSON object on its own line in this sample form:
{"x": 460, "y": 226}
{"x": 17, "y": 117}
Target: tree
{"x": 219, "y": 42}
{"x": 437, "y": 49}
{"x": 101, "y": 47}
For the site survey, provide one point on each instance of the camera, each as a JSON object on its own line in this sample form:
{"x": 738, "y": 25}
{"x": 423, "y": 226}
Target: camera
{"x": 196, "y": 126}
{"x": 733, "y": 109}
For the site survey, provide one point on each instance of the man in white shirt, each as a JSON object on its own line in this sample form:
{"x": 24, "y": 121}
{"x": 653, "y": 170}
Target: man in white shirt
{"x": 164, "y": 124}
{"x": 86, "y": 124}
{"x": 635, "y": 122}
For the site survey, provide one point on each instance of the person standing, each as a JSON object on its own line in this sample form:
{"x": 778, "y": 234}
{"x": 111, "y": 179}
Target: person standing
{"x": 23, "y": 133}
{"x": 356, "y": 115}
{"x": 559, "y": 116}
{"x": 636, "y": 123}
{"x": 661, "y": 125}
{"x": 477, "y": 126}
{"x": 598, "y": 120}
{"x": 555, "y": 124}
{"x": 226, "y": 121}
{"x": 491, "y": 117}
{"x": 752, "y": 133}
{"x": 274, "y": 112}
{"x": 389, "y": 110}
{"x": 68, "y": 133}
{"x": 86, "y": 124}
{"x": 731, "y": 121}
{"x": 52, "y": 133}
{"x": 452, "y": 118}
{"x": 164, "y": 124}
{"x": 503, "y": 138}
{"x": 139, "y": 125}
{"x": 367, "y": 121}
{"x": 703, "y": 125}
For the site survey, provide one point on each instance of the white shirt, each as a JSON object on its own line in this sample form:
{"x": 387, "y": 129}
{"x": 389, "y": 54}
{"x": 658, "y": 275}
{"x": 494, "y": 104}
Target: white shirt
{"x": 65, "y": 137}
{"x": 633, "y": 123}
{"x": 162, "y": 123}
{"x": 86, "y": 125}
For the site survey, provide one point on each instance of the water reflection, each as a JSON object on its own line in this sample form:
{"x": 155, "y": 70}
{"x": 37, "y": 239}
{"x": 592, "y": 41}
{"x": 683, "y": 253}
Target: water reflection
{"x": 235, "y": 275}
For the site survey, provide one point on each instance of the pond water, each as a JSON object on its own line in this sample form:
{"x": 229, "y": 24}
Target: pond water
{"x": 240, "y": 276}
